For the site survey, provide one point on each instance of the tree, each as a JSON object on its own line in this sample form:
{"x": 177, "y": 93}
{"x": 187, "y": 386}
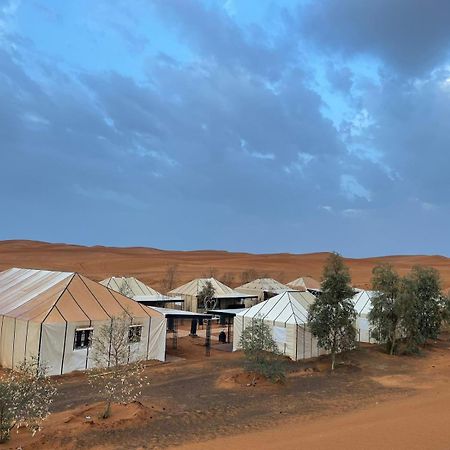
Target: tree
{"x": 125, "y": 289}
{"x": 385, "y": 315}
{"x": 170, "y": 277}
{"x": 118, "y": 374}
{"x": 248, "y": 275}
{"x": 206, "y": 298}
{"x": 25, "y": 397}
{"x": 332, "y": 316}
{"x": 261, "y": 351}
{"x": 228, "y": 278}
{"x": 422, "y": 307}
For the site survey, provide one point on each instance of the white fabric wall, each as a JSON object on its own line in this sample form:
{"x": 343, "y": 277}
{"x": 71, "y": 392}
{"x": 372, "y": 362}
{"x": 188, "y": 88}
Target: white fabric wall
{"x": 363, "y": 330}
{"x": 54, "y": 336}
{"x": 307, "y": 346}
{"x": 157, "y": 341}
{"x": 34, "y": 334}
{"x": 237, "y": 331}
{"x": 6, "y": 341}
{"x": 51, "y": 349}
{"x": 18, "y": 339}
{"x": 20, "y": 335}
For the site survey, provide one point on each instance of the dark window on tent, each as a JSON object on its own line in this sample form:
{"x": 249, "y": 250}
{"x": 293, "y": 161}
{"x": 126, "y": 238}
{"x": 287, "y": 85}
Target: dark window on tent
{"x": 83, "y": 338}
{"x": 134, "y": 333}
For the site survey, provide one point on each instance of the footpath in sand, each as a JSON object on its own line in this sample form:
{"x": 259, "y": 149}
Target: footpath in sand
{"x": 420, "y": 422}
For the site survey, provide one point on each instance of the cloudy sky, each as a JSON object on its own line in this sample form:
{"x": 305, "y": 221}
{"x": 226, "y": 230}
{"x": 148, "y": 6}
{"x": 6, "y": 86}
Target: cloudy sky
{"x": 262, "y": 126}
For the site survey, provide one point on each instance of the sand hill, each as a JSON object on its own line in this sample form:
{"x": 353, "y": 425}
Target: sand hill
{"x": 153, "y": 266}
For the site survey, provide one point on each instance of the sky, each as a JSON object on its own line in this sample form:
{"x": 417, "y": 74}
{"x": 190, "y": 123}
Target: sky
{"x": 258, "y": 126}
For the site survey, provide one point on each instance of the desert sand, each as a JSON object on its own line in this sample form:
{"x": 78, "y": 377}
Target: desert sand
{"x": 372, "y": 401}
{"x": 151, "y": 265}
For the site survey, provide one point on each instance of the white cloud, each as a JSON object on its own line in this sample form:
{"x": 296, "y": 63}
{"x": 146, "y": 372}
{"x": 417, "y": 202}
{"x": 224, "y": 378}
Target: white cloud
{"x": 352, "y": 189}
{"x": 255, "y": 154}
{"x": 303, "y": 160}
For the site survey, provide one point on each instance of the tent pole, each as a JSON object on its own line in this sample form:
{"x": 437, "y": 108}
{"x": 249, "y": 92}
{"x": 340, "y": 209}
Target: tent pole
{"x": 208, "y": 338}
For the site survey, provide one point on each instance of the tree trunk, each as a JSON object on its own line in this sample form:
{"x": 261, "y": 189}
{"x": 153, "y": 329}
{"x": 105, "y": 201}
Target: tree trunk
{"x": 107, "y": 411}
{"x": 392, "y": 345}
{"x": 333, "y": 360}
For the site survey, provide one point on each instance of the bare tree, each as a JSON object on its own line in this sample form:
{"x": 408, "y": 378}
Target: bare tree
{"x": 211, "y": 272}
{"x": 25, "y": 397}
{"x": 119, "y": 373}
{"x": 248, "y": 275}
{"x": 228, "y": 278}
{"x": 170, "y": 277}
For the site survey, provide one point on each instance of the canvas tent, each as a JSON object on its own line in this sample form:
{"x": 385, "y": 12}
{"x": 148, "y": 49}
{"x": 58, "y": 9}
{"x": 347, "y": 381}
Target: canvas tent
{"x": 141, "y": 292}
{"x": 306, "y": 284}
{"x": 264, "y": 288}
{"x": 52, "y": 315}
{"x": 225, "y": 296}
{"x": 362, "y": 301}
{"x": 129, "y": 286}
{"x": 286, "y": 314}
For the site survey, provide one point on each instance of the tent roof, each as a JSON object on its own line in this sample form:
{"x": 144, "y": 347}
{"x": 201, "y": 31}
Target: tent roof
{"x": 304, "y": 283}
{"x": 180, "y": 314}
{"x": 58, "y": 297}
{"x": 195, "y": 286}
{"x": 265, "y": 285}
{"x": 290, "y": 307}
{"x": 362, "y": 301}
{"x": 129, "y": 286}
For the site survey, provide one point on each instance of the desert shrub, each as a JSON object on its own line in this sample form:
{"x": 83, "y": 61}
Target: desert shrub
{"x": 261, "y": 351}
{"x": 25, "y": 397}
{"x": 114, "y": 378}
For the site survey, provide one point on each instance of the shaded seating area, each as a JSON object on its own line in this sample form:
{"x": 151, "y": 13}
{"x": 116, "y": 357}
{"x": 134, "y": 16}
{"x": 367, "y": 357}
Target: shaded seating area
{"x": 224, "y": 296}
{"x": 226, "y": 319}
{"x": 174, "y": 317}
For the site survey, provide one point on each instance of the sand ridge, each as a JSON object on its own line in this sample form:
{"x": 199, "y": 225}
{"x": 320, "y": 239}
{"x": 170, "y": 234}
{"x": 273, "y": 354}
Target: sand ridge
{"x": 151, "y": 265}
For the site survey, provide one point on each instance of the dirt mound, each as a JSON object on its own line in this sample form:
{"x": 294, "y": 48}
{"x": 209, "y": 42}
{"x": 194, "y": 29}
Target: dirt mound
{"x": 242, "y": 379}
{"x": 62, "y": 429}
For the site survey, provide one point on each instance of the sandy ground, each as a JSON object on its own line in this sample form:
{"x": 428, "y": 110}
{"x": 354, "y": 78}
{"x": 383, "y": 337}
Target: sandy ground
{"x": 371, "y": 401}
{"x": 420, "y": 422}
{"x": 150, "y": 265}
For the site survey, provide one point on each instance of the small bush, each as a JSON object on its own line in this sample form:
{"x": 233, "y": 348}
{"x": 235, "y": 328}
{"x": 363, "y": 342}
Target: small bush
{"x": 261, "y": 352}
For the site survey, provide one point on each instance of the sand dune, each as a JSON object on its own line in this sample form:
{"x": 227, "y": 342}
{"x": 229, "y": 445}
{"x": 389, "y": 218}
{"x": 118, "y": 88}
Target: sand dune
{"x": 151, "y": 265}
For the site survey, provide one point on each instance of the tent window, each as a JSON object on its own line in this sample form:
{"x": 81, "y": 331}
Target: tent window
{"x": 83, "y": 338}
{"x": 134, "y": 333}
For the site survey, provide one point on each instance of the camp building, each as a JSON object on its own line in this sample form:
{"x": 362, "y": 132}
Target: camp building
{"x": 53, "y": 316}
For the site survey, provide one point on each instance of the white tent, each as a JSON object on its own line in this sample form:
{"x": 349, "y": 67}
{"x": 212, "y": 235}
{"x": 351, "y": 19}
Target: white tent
{"x": 53, "y": 315}
{"x": 264, "y": 288}
{"x": 287, "y": 316}
{"x": 306, "y": 284}
{"x": 129, "y": 286}
{"x": 362, "y": 301}
{"x": 225, "y": 295}
{"x": 137, "y": 290}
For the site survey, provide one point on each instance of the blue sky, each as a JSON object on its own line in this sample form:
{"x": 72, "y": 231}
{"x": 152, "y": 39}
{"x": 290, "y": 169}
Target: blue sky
{"x": 261, "y": 126}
